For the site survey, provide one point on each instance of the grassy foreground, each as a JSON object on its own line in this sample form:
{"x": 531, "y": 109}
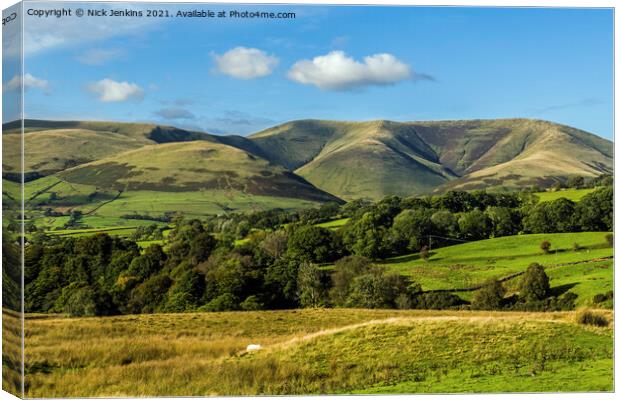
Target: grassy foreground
{"x": 315, "y": 351}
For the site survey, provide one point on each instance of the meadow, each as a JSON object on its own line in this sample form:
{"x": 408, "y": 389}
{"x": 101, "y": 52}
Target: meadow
{"x": 316, "y": 351}
{"x": 470, "y": 264}
{"x": 570, "y": 194}
{"x": 105, "y": 208}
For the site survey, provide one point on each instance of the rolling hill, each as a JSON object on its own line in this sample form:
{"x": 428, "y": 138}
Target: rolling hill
{"x": 378, "y": 158}
{"x": 310, "y": 158}
{"x": 193, "y": 166}
{"x": 52, "y": 146}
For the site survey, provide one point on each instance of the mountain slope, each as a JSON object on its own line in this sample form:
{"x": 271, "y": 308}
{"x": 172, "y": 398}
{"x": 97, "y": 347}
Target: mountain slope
{"x": 193, "y": 166}
{"x": 347, "y": 159}
{"x": 356, "y": 159}
{"x": 52, "y": 146}
{"x": 378, "y": 158}
{"x": 516, "y": 153}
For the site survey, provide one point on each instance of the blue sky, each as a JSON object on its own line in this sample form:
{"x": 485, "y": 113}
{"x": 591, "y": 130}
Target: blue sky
{"x": 342, "y": 63}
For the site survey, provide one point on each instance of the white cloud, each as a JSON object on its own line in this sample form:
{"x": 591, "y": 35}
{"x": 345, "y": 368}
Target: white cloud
{"x": 108, "y": 90}
{"x": 337, "y": 71}
{"x": 98, "y": 56}
{"x": 245, "y": 63}
{"x": 30, "y": 81}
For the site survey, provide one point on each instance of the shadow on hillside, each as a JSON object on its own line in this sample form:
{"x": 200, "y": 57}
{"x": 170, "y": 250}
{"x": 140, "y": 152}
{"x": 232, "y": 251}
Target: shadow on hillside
{"x": 560, "y": 290}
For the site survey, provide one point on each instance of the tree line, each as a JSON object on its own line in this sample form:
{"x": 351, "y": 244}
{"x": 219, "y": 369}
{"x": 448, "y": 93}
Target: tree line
{"x": 201, "y": 265}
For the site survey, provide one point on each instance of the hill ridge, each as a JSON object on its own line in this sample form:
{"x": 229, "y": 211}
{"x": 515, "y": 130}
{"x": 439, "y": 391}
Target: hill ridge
{"x": 360, "y": 159}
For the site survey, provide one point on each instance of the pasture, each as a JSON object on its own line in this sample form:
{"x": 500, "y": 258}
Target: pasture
{"x": 314, "y": 352}
{"x": 470, "y": 264}
{"x": 570, "y": 194}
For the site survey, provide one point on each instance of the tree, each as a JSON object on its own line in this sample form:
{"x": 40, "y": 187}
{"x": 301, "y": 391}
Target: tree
{"x": 456, "y": 201}
{"x": 201, "y": 247}
{"x": 186, "y": 292}
{"x": 537, "y": 220}
{"x": 377, "y": 289}
{"x": 275, "y": 243}
{"x": 576, "y": 182}
{"x": 410, "y": 228}
{"x": 309, "y": 286}
{"x": 489, "y": 296}
{"x": 152, "y": 261}
{"x": 475, "y": 225}
{"x": 534, "y": 283}
{"x": 148, "y": 296}
{"x": 445, "y": 223}
{"x": 504, "y": 221}
{"x": 594, "y": 212}
{"x": 561, "y": 213}
{"x": 77, "y": 301}
{"x": 312, "y": 243}
{"x": 366, "y": 237}
{"x": 345, "y": 270}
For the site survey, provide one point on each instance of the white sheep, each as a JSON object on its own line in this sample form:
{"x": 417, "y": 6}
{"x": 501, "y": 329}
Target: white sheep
{"x": 253, "y": 347}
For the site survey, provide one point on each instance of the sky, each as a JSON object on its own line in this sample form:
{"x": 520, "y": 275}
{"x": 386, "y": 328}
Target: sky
{"x": 241, "y": 75}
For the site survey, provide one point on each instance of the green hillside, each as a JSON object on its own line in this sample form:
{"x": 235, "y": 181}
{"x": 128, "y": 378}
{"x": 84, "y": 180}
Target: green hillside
{"x": 350, "y": 159}
{"x": 517, "y": 152}
{"x": 470, "y": 264}
{"x": 190, "y": 167}
{"x": 570, "y": 194}
{"x": 356, "y": 159}
{"x": 194, "y": 178}
{"x": 378, "y": 158}
{"x": 52, "y": 146}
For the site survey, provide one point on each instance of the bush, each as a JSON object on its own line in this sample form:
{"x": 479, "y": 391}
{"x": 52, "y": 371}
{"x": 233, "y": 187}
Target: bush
{"x": 610, "y": 239}
{"x": 489, "y": 297}
{"x": 436, "y": 301}
{"x": 534, "y": 283}
{"x": 601, "y": 297}
{"x": 224, "y": 302}
{"x": 251, "y": 303}
{"x": 587, "y": 317}
{"x": 576, "y": 247}
{"x": 545, "y": 246}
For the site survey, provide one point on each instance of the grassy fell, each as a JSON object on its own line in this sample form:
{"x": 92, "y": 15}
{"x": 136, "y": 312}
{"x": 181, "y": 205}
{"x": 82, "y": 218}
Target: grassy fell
{"x": 315, "y": 351}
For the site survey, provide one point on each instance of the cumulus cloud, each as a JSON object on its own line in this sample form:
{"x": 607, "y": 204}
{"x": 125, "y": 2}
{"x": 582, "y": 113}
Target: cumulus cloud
{"x": 98, "y": 56}
{"x": 174, "y": 113}
{"x": 245, "y": 63}
{"x": 29, "y": 80}
{"x": 108, "y": 90}
{"x": 337, "y": 71}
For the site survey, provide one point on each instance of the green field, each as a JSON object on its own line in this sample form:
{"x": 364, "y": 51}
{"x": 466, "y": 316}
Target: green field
{"x": 470, "y": 264}
{"x": 334, "y": 224}
{"x": 104, "y": 208}
{"x": 570, "y": 194}
{"x": 314, "y": 352}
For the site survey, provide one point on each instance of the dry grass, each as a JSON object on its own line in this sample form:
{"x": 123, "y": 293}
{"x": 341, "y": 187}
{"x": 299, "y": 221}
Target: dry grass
{"x": 305, "y": 351}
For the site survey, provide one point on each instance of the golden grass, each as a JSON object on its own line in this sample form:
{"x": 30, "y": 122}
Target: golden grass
{"x": 305, "y": 351}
